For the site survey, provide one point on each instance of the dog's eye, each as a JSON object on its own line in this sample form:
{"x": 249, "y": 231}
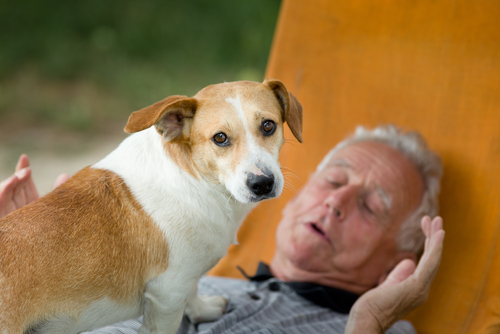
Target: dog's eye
{"x": 221, "y": 139}
{"x": 268, "y": 127}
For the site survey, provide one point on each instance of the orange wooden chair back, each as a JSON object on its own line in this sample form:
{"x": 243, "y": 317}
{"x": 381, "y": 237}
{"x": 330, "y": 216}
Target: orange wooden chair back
{"x": 431, "y": 66}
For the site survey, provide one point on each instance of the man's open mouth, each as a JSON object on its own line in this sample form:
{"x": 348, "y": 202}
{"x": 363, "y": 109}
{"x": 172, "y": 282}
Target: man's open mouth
{"x": 316, "y": 228}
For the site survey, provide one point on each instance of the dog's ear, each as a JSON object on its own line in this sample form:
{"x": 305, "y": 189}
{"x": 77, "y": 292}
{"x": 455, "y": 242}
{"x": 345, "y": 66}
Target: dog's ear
{"x": 291, "y": 107}
{"x": 172, "y": 117}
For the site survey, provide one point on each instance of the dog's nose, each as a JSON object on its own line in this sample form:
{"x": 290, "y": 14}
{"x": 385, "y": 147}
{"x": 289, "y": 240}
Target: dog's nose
{"x": 260, "y": 184}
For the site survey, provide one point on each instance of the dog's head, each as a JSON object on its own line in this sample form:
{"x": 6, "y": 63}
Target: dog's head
{"x": 230, "y": 134}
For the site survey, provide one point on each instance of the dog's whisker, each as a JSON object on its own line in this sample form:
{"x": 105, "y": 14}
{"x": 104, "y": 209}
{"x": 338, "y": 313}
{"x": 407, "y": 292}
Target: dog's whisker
{"x": 288, "y": 176}
{"x": 291, "y": 174}
{"x": 215, "y": 185}
{"x": 231, "y": 197}
{"x": 289, "y": 185}
{"x": 293, "y": 190}
{"x": 286, "y": 169}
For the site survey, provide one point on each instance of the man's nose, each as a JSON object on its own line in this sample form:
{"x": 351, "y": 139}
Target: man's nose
{"x": 339, "y": 201}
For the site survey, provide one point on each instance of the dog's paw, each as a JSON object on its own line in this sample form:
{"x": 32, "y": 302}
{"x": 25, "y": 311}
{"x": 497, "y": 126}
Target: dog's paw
{"x": 206, "y": 308}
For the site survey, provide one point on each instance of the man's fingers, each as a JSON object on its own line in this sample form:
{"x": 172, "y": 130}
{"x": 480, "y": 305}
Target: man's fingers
{"x": 402, "y": 271}
{"x": 429, "y": 263}
{"x": 436, "y": 225}
{"x": 426, "y": 224}
{"x": 25, "y": 192}
{"x": 430, "y": 228}
{"x": 7, "y": 187}
{"x": 405, "y": 288}
{"x": 435, "y": 237}
{"x": 19, "y": 196}
{"x": 31, "y": 192}
{"x": 23, "y": 174}
{"x": 19, "y": 189}
{"x": 23, "y": 162}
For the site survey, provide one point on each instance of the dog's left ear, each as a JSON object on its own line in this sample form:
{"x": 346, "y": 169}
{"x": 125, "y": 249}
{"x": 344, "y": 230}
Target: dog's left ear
{"x": 172, "y": 117}
{"x": 291, "y": 107}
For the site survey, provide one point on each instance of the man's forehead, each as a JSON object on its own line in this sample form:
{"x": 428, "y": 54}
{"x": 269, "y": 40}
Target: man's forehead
{"x": 364, "y": 155}
{"x": 339, "y": 162}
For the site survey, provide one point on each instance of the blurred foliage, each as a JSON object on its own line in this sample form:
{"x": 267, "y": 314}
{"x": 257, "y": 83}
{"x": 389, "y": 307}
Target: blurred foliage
{"x": 77, "y": 65}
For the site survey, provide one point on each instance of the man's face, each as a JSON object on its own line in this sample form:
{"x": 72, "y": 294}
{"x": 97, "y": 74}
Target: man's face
{"x": 341, "y": 227}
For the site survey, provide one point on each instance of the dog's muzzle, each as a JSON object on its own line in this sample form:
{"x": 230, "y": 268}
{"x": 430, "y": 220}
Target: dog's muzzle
{"x": 262, "y": 186}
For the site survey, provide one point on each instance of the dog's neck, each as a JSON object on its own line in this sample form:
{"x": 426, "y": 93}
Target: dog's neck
{"x": 157, "y": 183}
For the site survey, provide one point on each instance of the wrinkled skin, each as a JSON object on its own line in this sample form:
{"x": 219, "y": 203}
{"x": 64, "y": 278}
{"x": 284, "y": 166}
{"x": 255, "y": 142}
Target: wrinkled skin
{"x": 340, "y": 229}
{"x": 405, "y": 288}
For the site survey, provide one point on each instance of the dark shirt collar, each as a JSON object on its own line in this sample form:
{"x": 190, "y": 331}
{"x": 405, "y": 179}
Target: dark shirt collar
{"x": 335, "y": 299}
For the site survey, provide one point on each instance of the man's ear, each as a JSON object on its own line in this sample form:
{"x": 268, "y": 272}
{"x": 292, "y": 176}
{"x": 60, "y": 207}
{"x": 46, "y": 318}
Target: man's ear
{"x": 291, "y": 107}
{"x": 172, "y": 117}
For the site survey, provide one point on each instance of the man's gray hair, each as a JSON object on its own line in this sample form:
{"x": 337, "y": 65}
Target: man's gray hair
{"x": 428, "y": 164}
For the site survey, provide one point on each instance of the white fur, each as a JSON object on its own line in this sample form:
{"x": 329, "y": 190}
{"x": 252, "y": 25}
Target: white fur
{"x": 99, "y": 314}
{"x": 199, "y": 221}
{"x": 256, "y": 160}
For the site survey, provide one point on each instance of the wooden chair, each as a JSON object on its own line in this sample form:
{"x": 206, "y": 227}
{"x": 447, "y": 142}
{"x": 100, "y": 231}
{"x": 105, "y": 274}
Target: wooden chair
{"x": 431, "y": 66}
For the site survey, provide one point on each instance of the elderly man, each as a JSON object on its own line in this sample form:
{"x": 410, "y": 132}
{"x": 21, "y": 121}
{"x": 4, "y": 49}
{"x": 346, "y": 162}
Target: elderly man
{"x": 353, "y": 230}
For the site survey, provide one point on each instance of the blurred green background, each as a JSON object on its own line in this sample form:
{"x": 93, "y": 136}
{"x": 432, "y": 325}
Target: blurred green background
{"x": 77, "y": 65}
{"x": 71, "y": 72}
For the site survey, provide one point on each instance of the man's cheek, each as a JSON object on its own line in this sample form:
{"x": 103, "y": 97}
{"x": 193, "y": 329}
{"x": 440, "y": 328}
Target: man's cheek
{"x": 285, "y": 233}
{"x": 306, "y": 203}
{"x": 313, "y": 194}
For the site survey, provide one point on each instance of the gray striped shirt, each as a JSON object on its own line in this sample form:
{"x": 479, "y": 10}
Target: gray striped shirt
{"x": 255, "y": 308}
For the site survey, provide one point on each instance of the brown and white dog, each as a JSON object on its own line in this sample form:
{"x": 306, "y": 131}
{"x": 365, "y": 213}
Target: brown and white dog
{"x": 132, "y": 234}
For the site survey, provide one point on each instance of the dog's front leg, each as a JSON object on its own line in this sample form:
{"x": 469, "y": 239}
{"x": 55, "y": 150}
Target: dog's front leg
{"x": 205, "y": 308}
{"x": 164, "y": 306}
{"x": 158, "y": 319}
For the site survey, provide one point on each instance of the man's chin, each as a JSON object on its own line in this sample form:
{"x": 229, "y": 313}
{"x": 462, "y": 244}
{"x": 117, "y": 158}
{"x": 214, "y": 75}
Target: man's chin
{"x": 308, "y": 260}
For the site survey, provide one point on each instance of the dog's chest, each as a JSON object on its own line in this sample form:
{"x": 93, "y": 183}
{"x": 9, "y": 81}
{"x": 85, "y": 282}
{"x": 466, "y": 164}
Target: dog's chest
{"x": 202, "y": 237}
{"x": 198, "y": 221}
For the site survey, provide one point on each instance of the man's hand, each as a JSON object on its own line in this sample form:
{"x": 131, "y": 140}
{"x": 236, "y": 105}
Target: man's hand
{"x": 404, "y": 289}
{"x": 19, "y": 189}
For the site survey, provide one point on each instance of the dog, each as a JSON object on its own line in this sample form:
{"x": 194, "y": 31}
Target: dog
{"x": 132, "y": 234}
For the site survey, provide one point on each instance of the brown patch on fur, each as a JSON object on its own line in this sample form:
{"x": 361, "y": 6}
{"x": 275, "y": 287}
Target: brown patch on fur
{"x": 292, "y": 109}
{"x": 180, "y": 153}
{"x": 87, "y": 240}
{"x": 169, "y": 115}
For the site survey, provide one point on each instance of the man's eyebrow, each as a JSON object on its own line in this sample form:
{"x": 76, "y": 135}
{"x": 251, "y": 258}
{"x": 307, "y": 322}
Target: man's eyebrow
{"x": 340, "y": 163}
{"x": 385, "y": 198}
